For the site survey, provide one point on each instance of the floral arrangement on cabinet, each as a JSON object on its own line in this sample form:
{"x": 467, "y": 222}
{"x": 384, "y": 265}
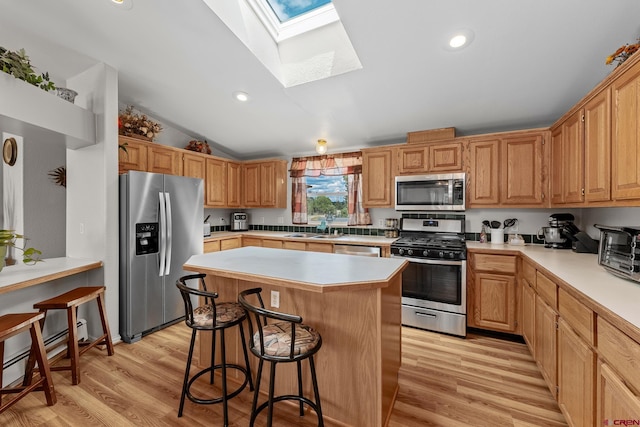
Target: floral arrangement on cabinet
{"x": 623, "y": 53}
{"x": 137, "y": 125}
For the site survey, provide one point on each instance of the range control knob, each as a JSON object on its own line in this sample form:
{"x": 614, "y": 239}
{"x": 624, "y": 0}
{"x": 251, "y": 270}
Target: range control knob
{"x": 425, "y": 253}
{"x": 401, "y": 251}
{"x": 410, "y": 252}
{"x": 441, "y": 254}
{"x": 452, "y": 255}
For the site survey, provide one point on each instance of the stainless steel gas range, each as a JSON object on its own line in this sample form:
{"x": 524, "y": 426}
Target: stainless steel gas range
{"x": 434, "y": 286}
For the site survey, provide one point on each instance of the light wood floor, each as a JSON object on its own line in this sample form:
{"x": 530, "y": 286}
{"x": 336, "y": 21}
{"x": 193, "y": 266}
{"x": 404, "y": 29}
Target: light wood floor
{"x": 444, "y": 381}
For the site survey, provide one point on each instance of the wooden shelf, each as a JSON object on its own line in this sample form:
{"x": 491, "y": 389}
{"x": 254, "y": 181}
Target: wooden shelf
{"x": 26, "y": 108}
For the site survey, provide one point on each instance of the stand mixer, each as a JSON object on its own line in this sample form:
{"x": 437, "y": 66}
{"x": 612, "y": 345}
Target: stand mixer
{"x": 554, "y": 236}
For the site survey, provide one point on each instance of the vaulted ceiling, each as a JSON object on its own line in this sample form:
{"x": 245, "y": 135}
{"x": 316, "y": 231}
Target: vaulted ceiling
{"x": 529, "y": 62}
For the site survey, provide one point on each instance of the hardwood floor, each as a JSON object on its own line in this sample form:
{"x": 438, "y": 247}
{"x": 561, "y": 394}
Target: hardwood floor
{"x": 444, "y": 381}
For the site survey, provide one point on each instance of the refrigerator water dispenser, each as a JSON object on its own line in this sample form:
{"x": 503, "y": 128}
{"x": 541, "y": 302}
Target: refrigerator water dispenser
{"x": 147, "y": 238}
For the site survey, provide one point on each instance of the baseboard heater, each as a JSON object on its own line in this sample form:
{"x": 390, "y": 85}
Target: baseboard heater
{"x": 56, "y": 338}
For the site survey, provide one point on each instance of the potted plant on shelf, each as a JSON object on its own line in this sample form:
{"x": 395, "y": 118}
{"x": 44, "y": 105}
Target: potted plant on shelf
{"x": 8, "y": 239}
{"x": 17, "y": 64}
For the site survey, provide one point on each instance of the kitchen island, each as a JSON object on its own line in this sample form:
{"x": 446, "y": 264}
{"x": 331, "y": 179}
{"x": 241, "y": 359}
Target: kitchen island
{"x": 353, "y": 302}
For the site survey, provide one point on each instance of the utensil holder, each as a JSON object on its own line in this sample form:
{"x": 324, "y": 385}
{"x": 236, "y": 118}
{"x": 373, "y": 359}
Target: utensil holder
{"x": 497, "y": 236}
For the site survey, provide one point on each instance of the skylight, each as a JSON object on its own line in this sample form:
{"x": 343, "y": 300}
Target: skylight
{"x": 303, "y": 43}
{"x": 289, "y": 9}
{"x": 288, "y": 18}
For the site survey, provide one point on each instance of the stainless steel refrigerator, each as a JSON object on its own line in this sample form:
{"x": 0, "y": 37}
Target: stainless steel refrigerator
{"x": 161, "y": 220}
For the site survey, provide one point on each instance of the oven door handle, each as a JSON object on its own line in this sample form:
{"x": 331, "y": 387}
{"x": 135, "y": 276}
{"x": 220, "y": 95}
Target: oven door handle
{"x": 429, "y": 261}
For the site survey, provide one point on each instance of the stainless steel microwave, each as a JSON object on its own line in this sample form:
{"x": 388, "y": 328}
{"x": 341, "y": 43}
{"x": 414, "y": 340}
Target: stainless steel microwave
{"x": 619, "y": 251}
{"x": 437, "y": 192}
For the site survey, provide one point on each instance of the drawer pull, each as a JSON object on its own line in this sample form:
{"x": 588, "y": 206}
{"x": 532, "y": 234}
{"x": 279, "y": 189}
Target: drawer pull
{"x": 425, "y": 314}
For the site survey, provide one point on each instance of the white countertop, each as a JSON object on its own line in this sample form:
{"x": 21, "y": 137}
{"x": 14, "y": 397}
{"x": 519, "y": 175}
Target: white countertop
{"x": 19, "y": 276}
{"x": 319, "y": 270}
{"x": 347, "y": 239}
{"x": 583, "y": 273}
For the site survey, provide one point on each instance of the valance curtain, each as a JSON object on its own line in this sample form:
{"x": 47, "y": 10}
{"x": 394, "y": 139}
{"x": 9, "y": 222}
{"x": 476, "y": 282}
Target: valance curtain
{"x": 349, "y": 164}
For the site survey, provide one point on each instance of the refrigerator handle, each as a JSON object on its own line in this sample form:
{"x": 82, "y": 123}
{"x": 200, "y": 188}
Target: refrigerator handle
{"x": 163, "y": 233}
{"x": 169, "y": 234}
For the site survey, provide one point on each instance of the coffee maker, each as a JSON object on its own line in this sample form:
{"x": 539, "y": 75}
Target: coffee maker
{"x": 554, "y": 235}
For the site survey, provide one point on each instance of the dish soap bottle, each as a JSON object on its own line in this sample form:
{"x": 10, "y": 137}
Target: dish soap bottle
{"x": 483, "y": 235}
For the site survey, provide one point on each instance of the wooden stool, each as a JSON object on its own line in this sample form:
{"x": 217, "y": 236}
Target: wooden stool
{"x": 70, "y": 301}
{"x": 13, "y": 324}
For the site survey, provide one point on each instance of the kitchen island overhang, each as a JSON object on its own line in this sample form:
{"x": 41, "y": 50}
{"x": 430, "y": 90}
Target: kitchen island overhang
{"x": 355, "y": 304}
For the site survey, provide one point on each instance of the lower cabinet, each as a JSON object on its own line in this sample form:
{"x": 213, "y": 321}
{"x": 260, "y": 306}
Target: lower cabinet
{"x": 576, "y": 377}
{"x": 222, "y": 244}
{"x": 528, "y": 315}
{"x": 491, "y": 292}
{"x": 615, "y": 400}
{"x": 545, "y": 342}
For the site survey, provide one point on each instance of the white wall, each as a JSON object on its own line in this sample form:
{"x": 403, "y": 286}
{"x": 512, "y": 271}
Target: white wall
{"x": 610, "y": 216}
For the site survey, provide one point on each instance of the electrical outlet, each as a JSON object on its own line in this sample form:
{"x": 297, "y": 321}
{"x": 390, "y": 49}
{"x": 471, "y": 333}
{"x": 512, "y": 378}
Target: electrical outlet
{"x": 261, "y": 220}
{"x": 280, "y": 220}
{"x": 221, "y": 220}
{"x": 275, "y": 299}
{"x": 82, "y": 228}
{"x": 381, "y": 223}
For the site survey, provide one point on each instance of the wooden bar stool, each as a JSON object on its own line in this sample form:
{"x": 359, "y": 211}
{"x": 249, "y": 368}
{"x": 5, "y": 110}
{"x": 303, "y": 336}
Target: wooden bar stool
{"x": 70, "y": 301}
{"x": 13, "y": 324}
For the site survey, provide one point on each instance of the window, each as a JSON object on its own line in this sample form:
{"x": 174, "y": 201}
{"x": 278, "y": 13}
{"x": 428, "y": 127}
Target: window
{"x": 286, "y": 10}
{"x": 327, "y": 198}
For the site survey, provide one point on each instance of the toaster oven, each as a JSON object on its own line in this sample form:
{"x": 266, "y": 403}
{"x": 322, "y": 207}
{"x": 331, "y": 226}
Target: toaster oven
{"x": 619, "y": 251}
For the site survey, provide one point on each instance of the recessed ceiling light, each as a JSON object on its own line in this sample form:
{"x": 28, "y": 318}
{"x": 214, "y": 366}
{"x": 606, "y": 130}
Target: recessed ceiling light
{"x": 241, "y": 96}
{"x": 122, "y": 4}
{"x": 459, "y": 39}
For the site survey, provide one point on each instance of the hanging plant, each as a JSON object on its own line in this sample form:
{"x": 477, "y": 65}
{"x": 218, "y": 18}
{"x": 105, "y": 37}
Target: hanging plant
{"x": 59, "y": 176}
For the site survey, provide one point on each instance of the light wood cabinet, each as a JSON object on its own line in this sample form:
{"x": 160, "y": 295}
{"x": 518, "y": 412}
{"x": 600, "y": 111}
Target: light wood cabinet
{"x": 483, "y": 179}
{"x": 615, "y": 400}
{"x": 576, "y": 377}
{"x": 320, "y": 247}
{"x": 545, "y": 343}
{"x": 135, "y": 158}
{"x": 597, "y": 148}
{"x": 521, "y": 178}
{"x": 378, "y": 178}
{"x": 625, "y": 161}
{"x": 581, "y": 152}
{"x": 234, "y": 184}
{"x": 211, "y": 246}
{"x": 491, "y": 292}
{"x": 163, "y": 159}
{"x": 265, "y": 184}
{"x": 415, "y": 159}
{"x": 529, "y": 316}
{"x": 216, "y": 188}
{"x": 251, "y": 241}
{"x": 268, "y": 243}
{"x": 296, "y": 246}
{"x": 507, "y": 170}
{"x": 230, "y": 243}
{"x": 194, "y": 165}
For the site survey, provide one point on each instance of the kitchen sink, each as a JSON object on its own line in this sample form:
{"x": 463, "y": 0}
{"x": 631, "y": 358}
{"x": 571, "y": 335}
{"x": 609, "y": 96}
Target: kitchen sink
{"x": 327, "y": 236}
{"x": 307, "y": 235}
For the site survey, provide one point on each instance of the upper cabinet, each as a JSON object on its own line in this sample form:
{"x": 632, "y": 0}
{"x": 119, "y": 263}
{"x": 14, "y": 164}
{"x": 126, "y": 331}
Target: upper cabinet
{"x": 24, "y": 106}
{"x": 265, "y": 184}
{"x": 507, "y": 170}
{"x": 445, "y": 156}
{"x": 625, "y": 176}
{"x": 378, "y": 177}
{"x": 581, "y": 152}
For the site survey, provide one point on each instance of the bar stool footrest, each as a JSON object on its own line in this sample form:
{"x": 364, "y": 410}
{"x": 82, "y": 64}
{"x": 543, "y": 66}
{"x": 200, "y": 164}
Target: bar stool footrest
{"x": 217, "y": 399}
{"x": 295, "y": 397}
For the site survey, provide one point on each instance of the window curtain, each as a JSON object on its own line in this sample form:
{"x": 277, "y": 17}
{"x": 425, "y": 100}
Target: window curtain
{"x": 358, "y": 214}
{"x": 299, "y": 200}
{"x": 349, "y": 164}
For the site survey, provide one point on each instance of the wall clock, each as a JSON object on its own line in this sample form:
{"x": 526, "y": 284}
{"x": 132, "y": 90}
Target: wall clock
{"x": 10, "y": 151}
